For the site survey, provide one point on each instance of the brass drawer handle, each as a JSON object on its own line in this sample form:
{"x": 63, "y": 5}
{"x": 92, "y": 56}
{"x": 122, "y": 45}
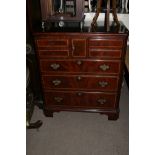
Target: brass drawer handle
{"x": 103, "y": 83}
{"x": 58, "y": 99}
{"x": 55, "y": 66}
{"x": 104, "y": 67}
{"x": 79, "y": 94}
{"x": 79, "y": 78}
{"x": 101, "y": 101}
{"x": 56, "y": 82}
{"x": 73, "y": 48}
{"x": 79, "y": 62}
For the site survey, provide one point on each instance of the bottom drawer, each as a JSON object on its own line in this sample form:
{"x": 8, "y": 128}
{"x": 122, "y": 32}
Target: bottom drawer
{"x": 80, "y": 99}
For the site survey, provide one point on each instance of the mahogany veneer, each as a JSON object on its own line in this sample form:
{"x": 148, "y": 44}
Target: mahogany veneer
{"x": 81, "y": 71}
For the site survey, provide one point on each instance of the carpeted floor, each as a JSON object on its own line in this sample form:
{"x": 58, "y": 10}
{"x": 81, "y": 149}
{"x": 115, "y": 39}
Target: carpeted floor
{"x": 76, "y": 133}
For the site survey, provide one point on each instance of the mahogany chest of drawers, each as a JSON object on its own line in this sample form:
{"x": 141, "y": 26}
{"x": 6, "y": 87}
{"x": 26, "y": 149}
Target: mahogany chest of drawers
{"x": 81, "y": 71}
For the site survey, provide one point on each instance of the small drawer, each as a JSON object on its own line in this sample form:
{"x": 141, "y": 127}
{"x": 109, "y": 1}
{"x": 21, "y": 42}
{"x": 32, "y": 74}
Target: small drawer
{"x": 80, "y": 99}
{"x": 78, "y": 47}
{"x": 106, "y": 43}
{"x": 55, "y": 42}
{"x": 83, "y": 82}
{"x": 52, "y": 45}
{"x": 81, "y": 66}
{"x": 53, "y": 53}
{"x": 105, "y": 53}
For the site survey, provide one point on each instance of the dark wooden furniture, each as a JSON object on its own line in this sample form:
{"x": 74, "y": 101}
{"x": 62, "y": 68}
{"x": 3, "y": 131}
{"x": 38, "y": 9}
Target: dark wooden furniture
{"x": 30, "y": 97}
{"x": 82, "y": 71}
{"x": 56, "y": 9}
{"x": 126, "y": 70}
{"x": 62, "y": 11}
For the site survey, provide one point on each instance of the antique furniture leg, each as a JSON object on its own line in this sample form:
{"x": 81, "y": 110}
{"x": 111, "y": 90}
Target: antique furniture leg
{"x": 114, "y": 12}
{"x": 126, "y": 6}
{"x": 106, "y": 22}
{"x": 99, "y": 3}
{"x": 123, "y": 6}
{"x": 90, "y": 7}
{"x": 113, "y": 116}
{"x": 35, "y": 125}
{"x": 30, "y": 98}
{"x": 48, "y": 113}
{"x": 38, "y": 104}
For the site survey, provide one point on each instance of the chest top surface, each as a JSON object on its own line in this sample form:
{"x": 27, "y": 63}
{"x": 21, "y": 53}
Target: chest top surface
{"x": 116, "y": 30}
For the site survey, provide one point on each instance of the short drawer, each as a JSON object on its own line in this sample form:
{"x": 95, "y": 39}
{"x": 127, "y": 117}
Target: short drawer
{"x": 104, "y": 52}
{"x": 80, "y": 66}
{"x": 83, "y": 82}
{"x": 118, "y": 43}
{"x": 53, "y": 53}
{"x": 55, "y": 42}
{"x": 80, "y": 99}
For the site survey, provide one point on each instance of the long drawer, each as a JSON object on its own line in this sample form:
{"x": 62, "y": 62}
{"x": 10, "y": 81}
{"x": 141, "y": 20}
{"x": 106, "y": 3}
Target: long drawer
{"x": 80, "y": 99}
{"x": 84, "y": 82}
{"x": 81, "y": 66}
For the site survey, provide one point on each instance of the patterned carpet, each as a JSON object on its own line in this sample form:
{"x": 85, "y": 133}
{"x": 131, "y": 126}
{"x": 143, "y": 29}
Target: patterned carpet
{"x": 76, "y": 133}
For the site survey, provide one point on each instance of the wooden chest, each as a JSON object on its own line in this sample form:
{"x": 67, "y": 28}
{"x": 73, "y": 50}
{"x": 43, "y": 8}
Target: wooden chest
{"x": 81, "y": 71}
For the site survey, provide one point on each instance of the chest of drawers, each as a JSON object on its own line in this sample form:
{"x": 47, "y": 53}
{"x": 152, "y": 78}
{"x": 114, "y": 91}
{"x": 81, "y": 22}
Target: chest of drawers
{"x": 81, "y": 71}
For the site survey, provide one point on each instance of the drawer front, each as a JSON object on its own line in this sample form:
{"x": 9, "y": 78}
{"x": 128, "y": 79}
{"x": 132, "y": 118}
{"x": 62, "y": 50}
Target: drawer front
{"x": 81, "y": 66}
{"x": 83, "y": 82}
{"x": 79, "y": 47}
{"x": 55, "y": 47}
{"x": 55, "y": 42}
{"x": 104, "y": 53}
{"x": 105, "y": 48}
{"x": 80, "y": 99}
{"x": 106, "y": 43}
{"x": 53, "y": 53}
